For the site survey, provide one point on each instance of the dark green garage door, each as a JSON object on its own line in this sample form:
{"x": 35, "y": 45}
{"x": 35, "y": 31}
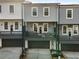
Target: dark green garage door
{"x": 38, "y": 44}
{"x": 11, "y": 42}
{"x": 70, "y": 47}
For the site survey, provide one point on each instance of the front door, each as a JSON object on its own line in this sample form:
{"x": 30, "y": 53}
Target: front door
{"x": 40, "y": 29}
{"x": 70, "y": 32}
{"x": 11, "y": 28}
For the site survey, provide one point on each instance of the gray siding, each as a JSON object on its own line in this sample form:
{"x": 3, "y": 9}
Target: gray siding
{"x": 40, "y": 17}
{"x": 63, "y": 19}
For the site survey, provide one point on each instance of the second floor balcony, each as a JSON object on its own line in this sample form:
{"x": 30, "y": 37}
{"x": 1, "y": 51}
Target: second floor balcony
{"x": 11, "y": 35}
{"x": 69, "y": 40}
{"x": 39, "y": 36}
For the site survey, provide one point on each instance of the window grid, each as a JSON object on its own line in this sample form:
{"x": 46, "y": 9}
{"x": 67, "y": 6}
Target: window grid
{"x": 16, "y": 25}
{"x": 11, "y": 8}
{"x": 34, "y": 11}
{"x": 5, "y": 25}
{"x": 69, "y": 13}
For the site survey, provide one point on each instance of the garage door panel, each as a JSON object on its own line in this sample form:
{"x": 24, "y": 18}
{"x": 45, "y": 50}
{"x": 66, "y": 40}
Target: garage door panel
{"x": 70, "y": 47}
{"x": 38, "y": 44}
{"x": 11, "y": 42}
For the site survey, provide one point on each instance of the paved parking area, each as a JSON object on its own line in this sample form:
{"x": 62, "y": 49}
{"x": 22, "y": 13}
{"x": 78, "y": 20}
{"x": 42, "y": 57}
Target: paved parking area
{"x": 71, "y": 55}
{"x": 38, "y": 54}
{"x": 10, "y": 53}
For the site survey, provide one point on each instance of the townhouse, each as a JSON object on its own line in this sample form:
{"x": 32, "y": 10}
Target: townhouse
{"x": 40, "y": 19}
{"x": 69, "y": 27}
{"x": 10, "y": 23}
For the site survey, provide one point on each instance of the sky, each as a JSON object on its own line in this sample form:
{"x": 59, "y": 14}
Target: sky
{"x": 55, "y": 1}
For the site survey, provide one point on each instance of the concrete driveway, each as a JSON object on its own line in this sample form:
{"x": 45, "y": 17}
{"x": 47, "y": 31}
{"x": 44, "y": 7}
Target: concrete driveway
{"x": 71, "y": 55}
{"x": 10, "y": 53}
{"x": 38, "y": 54}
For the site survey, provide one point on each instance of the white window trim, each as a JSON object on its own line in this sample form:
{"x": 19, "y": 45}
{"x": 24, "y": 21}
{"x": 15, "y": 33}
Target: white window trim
{"x": 73, "y": 29}
{"x": 66, "y": 13}
{"x": 48, "y": 11}
{"x": 66, "y": 30}
{"x": 43, "y": 28}
{"x": 9, "y": 8}
{"x": 32, "y": 11}
{"x": 33, "y": 27}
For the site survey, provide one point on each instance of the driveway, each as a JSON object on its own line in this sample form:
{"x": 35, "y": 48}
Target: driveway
{"x": 38, "y": 54}
{"x": 10, "y": 53}
{"x": 71, "y": 55}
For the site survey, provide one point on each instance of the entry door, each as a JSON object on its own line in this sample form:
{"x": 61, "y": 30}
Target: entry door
{"x": 40, "y": 29}
{"x": 70, "y": 30}
{"x": 11, "y": 27}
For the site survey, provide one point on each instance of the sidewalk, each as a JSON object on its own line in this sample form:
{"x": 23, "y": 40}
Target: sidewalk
{"x": 10, "y": 53}
{"x": 71, "y": 55}
{"x": 38, "y": 54}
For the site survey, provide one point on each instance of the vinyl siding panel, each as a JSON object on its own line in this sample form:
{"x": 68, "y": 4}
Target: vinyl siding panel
{"x": 28, "y": 17}
{"x": 63, "y": 19}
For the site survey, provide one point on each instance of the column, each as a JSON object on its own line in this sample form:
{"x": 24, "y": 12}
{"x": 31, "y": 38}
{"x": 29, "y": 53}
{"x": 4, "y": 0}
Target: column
{"x": 26, "y": 43}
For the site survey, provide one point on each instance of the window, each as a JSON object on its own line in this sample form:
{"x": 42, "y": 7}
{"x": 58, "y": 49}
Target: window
{"x": 34, "y": 11}
{"x": 69, "y": 13}
{"x": 46, "y": 11}
{"x": 75, "y": 29}
{"x": 64, "y": 30}
{"x": 45, "y": 25}
{"x": 11, "y": 8}
{"x": 5, "y": 25}
{"x": 0, "y": 8}
{"x": 35, "y": 29}
{"x": 16, "y": 25}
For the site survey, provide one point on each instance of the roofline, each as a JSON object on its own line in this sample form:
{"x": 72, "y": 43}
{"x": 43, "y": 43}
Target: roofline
{"x": 59, "y": 4}
{"x": 27, "y": 2}
{"x": 69, "y": 4}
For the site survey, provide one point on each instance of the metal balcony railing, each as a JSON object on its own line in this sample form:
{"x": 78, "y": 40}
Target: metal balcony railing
{"x": 39, "y": 35}
{"x": 9, "y": 34}
{"x": 67, "y": 38}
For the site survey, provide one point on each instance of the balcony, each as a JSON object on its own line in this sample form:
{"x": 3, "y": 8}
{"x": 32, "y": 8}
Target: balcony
{"x": 72, "y": 40}
{"x": 11, "y": 35}
{"x": 38, "y": 36}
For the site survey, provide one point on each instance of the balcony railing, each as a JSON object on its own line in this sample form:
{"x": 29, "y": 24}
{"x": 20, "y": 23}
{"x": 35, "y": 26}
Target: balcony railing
{"x": 38, "y": 36}
{"x": 8, "y": 34}
{"x": 70, "y": 40}
{"x": 75, "y": 37}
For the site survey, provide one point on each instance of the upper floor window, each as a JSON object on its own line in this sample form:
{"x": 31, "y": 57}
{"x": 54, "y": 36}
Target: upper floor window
{"x": 11, "y": 8}
{"x": 45, "y": 25}
{"x": 69, "y": 13}
{"x": 64, "y": 29}
{"x": 5, "y": 25}
{"x": 75, "y": 29}
{"x": 16, "y": 25}
{"x": 34, "y": 11}
{"x": 46, "y": 11}
{"x": 0, "y": 8}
